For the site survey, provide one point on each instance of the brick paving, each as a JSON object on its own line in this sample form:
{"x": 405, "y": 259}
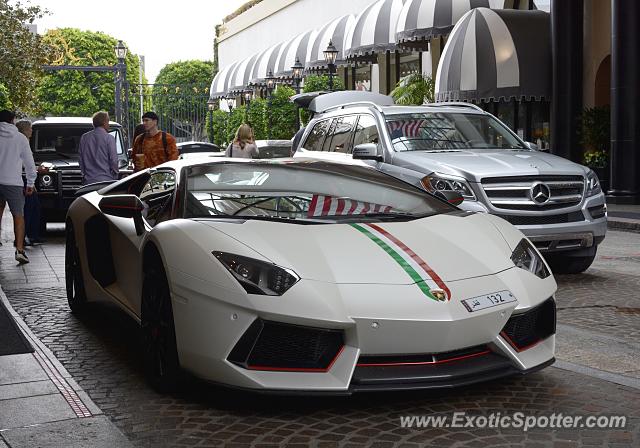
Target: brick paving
{"x": 101, "y": 352}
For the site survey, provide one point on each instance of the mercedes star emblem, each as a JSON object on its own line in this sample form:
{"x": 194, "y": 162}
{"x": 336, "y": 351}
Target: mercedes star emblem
{"x": 540, "y": 193}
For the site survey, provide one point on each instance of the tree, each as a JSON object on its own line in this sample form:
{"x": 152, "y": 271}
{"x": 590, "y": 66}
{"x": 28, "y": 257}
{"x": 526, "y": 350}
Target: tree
{"x": 318, "y": 83}
{"x": 414, "y": 89}
{"x": 180, "y": 96}
{"x": 21, "y": 55}
{"x": 77, "y": 93}
{"x": 283, "y": 114}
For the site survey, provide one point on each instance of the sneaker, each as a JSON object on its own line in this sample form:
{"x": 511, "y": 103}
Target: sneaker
{"x": 21, "y": 257}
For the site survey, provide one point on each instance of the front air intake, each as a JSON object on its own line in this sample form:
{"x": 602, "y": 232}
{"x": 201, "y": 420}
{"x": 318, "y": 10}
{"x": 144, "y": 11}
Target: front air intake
{"x": 277, "y": 346}
{"x": 524, "y": 330}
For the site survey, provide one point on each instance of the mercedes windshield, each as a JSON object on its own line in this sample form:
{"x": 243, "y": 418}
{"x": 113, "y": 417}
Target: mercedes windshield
{"x": 437, "y": 131}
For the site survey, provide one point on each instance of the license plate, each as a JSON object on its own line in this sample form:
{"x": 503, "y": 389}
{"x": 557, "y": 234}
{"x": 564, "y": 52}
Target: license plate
{"x": 488, "y": 301}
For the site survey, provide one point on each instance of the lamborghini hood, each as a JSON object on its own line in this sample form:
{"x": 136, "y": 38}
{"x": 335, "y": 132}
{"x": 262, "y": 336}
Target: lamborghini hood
{"x": 453, "y": 247}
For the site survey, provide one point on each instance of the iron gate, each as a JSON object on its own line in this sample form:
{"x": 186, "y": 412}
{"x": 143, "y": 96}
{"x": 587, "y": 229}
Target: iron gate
{"x": 182, "y": 109}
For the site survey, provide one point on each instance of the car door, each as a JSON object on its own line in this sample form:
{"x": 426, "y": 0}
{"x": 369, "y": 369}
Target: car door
{"x": 157, "y": 195}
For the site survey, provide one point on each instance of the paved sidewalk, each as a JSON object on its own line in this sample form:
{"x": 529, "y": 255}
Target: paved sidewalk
{"x": 40, "y": 403}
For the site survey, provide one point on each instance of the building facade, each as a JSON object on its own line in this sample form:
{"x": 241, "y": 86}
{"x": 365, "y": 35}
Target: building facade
{"x": 593, "y": 53}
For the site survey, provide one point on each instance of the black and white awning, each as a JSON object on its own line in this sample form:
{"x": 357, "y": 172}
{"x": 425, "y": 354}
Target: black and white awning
{"x": 220, "y": 82}
{"x": 334, "y": 31}
{"x": 265, "y": 63}
{"x": 298, "y": 47}
{"x": 423, "y": 20}
{"x": 374, "y": 31}
{"x": 241, "y": 75}
{"x": 497, "y": 54}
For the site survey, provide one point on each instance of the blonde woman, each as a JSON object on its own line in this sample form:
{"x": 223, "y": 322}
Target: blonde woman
{"x": 243, "y": 146}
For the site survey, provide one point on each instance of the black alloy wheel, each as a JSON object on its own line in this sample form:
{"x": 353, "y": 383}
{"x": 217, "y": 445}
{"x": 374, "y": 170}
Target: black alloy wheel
{"x": 161, "y": 363}
{"x": 74, "y": 282}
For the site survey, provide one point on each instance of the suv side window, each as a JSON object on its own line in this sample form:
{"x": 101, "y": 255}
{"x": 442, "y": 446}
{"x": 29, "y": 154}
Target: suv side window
{"x": 315, "y": 139}
{"x": 366, "y": 131}
{"x": 327, "y": 141}
{"x": 342, "y": 134}
{"x": 156, "y": 196}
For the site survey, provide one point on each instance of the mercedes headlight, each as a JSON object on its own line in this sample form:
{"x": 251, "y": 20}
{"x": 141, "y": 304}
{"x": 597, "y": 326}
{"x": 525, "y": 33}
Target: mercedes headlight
{"x": 258, "y": 277}
{"x": 526, "y": 257}
{"x": 593, "y": 184}
{"x": 441, "y": 182}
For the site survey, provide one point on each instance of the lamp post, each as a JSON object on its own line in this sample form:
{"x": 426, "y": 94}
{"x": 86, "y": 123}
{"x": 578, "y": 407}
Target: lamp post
{"x": 247, "y": 100}
{"x": 121, "y": 77}
{"x": 330, "y": 55}
{"x": 297, "y": 70}
{"x": 270, "y": 81}
{"x": 210, "y": 107}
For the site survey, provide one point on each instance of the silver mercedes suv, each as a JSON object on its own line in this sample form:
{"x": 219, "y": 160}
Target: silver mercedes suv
{"x": 459, "y": 148}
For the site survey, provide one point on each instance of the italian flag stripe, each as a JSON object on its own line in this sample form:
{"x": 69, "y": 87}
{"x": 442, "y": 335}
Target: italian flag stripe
{"x": 423, "y": 264}
{"x": 398, "y": 256}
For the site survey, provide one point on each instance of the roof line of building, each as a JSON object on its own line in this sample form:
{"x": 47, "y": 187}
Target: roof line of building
{"x": 251, "y": 16}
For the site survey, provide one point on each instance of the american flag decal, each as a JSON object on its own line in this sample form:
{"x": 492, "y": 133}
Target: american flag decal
{"x": 406, "y": 128}
{"x": 332, "y": 206}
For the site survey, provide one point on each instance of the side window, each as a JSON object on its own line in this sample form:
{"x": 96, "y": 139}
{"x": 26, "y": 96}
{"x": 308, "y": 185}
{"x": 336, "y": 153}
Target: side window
{"x": 342, "y": 134}
{"x": 327, "y": 141}
{"x": 315, "y": 139}
{"x": 156, "y": 196}
{"x": 366, "y": 131}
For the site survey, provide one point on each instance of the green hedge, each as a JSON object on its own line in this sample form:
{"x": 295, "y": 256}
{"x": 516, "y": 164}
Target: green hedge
{"x": 275, "y": 122}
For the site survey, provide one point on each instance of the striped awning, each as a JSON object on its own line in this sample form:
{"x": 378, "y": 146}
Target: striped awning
{"x": 241, "y": 75}
{"x": 298, "y": 47}
{"x": 497, "y": 54}
{"x": 422, "y": 20}
{"x": 374, "y": 31}
{"x": 220, "y": 82}
{"x": 265, "y": 62}
{"x": 334, "y": 31}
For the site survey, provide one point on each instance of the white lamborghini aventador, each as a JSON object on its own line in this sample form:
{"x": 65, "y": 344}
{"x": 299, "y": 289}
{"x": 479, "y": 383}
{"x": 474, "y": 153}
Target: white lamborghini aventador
{"x": 310, "y": 276}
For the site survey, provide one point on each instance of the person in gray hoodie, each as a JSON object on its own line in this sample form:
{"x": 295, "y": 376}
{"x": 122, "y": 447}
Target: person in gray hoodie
{"x": 15, "y": 155}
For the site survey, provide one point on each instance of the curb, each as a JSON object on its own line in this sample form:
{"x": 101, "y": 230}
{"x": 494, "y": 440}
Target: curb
{"x": 623, "y": 224}
{"x": 56, "y": 371}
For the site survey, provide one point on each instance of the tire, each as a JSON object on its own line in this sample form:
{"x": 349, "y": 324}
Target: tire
{"x": 567, "y": 264}
{"x": 76, "y": 293}
{"x": 160, "y": 357}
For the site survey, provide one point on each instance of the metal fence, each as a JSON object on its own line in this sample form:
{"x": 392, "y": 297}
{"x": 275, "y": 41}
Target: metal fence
{"x": 182, "y": 109}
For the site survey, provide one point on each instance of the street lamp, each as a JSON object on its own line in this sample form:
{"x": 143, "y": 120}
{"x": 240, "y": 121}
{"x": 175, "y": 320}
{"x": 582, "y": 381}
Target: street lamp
{"x": 270, "y": 80}
{"x": 121, "y": 83}
{"x": 121, "y": 52}
{"x": 211, "y": 104}
{"x": 297, "y": 70}
{"x": 330, "y": 55}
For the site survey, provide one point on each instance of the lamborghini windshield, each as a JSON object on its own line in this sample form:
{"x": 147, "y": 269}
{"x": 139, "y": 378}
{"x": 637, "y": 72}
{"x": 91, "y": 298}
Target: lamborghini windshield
{"x": 430, "y": 131}
{"x": 306, "y": 191}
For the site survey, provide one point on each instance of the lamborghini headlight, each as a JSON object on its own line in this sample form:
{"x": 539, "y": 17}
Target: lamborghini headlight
{"x": 441, "y": 182}
{"x": 526, "y": 257}
{"x": 258, "y": 277}
{"x": 593, "y": 184}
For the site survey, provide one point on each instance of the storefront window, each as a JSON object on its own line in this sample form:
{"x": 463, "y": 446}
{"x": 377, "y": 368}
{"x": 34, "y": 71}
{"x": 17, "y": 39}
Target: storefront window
{"x": 506, "y": 113}
{"x": 409, "y": 63}
{"x": 540, "y": 123}
{"x": 363, "y": 78}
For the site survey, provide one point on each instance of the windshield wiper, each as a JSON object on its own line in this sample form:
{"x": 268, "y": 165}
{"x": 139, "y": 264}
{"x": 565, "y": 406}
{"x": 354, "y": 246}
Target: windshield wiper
{"x": 268, "y": 218}
{"x": 393, "y": 215}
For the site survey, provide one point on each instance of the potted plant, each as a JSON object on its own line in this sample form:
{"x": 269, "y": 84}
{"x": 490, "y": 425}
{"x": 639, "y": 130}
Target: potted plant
{"x": 595, "y": 124}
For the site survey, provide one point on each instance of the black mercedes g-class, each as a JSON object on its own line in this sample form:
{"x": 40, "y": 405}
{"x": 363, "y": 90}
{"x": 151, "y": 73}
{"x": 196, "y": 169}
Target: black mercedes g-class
{"x": 54, "y": 143}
